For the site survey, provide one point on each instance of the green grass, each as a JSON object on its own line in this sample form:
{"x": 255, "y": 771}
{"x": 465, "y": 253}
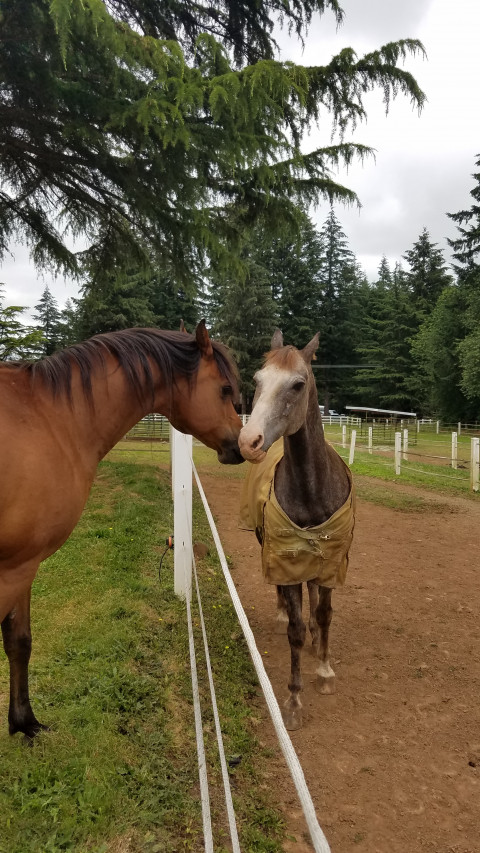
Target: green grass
{"x": 110, "y": 675}
{"x": 436, "y": 476}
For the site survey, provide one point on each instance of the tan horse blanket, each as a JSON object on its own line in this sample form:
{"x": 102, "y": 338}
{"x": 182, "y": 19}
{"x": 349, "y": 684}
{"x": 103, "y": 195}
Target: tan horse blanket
{"x": 292, "y": 554}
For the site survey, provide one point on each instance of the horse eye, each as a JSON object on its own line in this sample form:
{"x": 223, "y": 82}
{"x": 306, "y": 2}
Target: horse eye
{"x": 227, "y": 391}
{"x": 299, "y": 386}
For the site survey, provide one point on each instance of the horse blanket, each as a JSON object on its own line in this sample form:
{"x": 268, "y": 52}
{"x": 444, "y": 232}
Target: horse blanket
{"x": 292, "y": 554}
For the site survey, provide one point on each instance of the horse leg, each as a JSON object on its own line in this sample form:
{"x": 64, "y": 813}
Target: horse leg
{"x": 325, "y": 673}
{"x": 292, "y": 709}
{"x": 312, "y": 621}
{"x": 282, "y": 615}
{"x": 17, "y": 641}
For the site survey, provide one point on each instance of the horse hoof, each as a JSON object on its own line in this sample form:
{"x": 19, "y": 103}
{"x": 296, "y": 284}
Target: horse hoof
{"x": 325, "y": 686}
{"x": 293, "y": 718}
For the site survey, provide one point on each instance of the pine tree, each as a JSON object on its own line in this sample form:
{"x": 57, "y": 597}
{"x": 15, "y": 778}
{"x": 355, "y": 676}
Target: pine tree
{"x": 115, "y": 302}
{"x": 466, "y": 251}
{"x": 245, "y": 317}
{"x": 68, "y": 326}
{"x": 16, "y": 340}
{"x": 144, "y": 122}
{"x": 428, "y": 274}
{"x": 387, "y": 330}
{"x": 466, "y": 247}
{"x": 338, "y": 277}
{"x": 47, "y": 318}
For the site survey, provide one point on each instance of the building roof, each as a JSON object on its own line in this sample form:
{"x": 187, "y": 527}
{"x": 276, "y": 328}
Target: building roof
{"x": 381, "y": 411}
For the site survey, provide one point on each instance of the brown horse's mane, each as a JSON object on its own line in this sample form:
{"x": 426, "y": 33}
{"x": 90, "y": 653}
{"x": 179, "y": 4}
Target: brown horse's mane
{"x": 175, "y": 353}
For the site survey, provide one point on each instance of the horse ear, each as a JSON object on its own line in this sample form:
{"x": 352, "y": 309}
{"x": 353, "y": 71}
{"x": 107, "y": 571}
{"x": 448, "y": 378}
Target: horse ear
{"x": 308, "y": 352}
{"x": 277, "y": 340}
{"x": 203, "y": 341}
{"x": 182, "y": 327}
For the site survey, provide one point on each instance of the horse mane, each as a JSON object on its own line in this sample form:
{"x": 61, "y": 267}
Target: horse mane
{"x": 175, "y": 353}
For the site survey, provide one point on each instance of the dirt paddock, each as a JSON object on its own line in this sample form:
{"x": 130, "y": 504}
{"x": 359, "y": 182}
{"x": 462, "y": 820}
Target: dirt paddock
{"x": 393, "y": 759}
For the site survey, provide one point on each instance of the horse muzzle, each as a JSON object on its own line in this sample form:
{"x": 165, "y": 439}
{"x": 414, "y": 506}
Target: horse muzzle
{"x": 230, "y": 454}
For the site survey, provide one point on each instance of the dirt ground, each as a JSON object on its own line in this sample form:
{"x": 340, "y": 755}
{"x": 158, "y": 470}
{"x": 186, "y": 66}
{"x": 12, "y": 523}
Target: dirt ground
{"x": 393, "y": 759}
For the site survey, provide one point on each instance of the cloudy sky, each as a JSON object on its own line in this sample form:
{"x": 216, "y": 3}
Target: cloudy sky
{"x": 423, "y": 163}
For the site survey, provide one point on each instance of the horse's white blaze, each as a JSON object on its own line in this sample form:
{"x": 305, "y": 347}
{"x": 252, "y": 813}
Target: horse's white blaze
{"x": 273, "y": 384}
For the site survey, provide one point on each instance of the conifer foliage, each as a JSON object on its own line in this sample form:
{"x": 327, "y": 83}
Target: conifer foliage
{"x": 133, "y": 125}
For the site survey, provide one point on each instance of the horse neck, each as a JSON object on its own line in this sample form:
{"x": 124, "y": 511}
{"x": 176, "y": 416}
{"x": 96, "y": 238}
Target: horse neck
{"x": 114, "y": 406}
{"x": 311, "y": 482}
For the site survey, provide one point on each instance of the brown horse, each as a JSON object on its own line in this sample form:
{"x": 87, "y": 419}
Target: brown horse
{"x": 58, "y": 418}
{"x": 300, "y": 502}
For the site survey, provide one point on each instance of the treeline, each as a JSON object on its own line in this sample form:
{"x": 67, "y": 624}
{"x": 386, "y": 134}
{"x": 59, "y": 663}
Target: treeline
{"x": 410, "y": 340}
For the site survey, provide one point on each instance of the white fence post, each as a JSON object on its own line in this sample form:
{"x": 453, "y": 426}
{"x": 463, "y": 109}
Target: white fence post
{"x": 418, "y": 425}
{"x": 405, "y": 445}
{"x": 475, "y": 463}
{"x": 454, "y": 449}
{"x": 398, "y": 452}
{"x": 459, "y": 429}
{"x": 344, "y": 436}
{"x": 370, "y": 439}
{"x": 352, "y": 447}
{"x": 182, "y": 514}
{"x": 438, "y": 427}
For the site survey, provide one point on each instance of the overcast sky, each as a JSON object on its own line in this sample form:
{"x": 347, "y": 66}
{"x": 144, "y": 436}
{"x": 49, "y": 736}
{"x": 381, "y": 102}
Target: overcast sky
{"x": 423, "y": 163}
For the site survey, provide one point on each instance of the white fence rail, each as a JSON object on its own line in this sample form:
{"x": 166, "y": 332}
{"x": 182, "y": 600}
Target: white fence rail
{"x": 182, "y": 463}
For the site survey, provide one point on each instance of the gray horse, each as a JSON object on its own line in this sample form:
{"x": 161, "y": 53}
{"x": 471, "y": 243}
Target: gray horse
{"x": 300, "y": 501}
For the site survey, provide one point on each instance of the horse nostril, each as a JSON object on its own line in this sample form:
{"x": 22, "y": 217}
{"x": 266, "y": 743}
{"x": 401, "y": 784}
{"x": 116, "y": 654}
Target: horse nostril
{"x": 257, "y": 442}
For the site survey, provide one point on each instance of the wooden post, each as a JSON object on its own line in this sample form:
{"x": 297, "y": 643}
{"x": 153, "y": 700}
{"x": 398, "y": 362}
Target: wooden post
{"x": 459, "y": 428}
{"x": 398, "y": 452}
{"x": 344, "y": 435}
{"x": 370, "y": 439}
{"x": 454, "y": 449}
{"x": 352, "y": 446}
{"x": 405, "y": 445}
{"x": 182, "y": 515}
{"x": 438, "y": 427}
{"x": 475, "y": 463}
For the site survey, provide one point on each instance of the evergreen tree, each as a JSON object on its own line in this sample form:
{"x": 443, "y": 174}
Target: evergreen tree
{"x": 291, "y": 263}
{"x": 466, "y": 247}
{"x": 142, "y": 122}
{"x": 466, "y": 251}
{"x": 68, "y": 326}
{"x": 338, "y": 277}
{"x": 388, "y": 328}
{"x": 245, "y": 317}
{"x": 436, "y": 353}
{"x": 16, "y": 340}
{"x": 428, "y": 274}
{"x": 47, "y": 318}
{"x": 115, "y": 302}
